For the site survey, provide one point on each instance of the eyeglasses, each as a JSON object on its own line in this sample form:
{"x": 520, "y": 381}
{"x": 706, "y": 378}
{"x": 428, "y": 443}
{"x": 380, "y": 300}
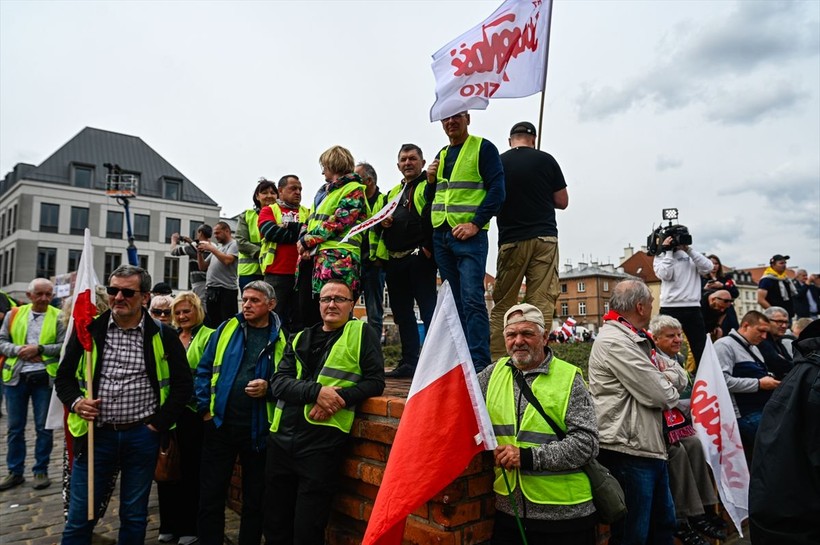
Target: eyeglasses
{"x": 456, "y": 116}
{"x": 780, "y": 322}
{"x": 338, "y": 299}
{"x": 126, "y": 292}
{"x": 161, "y": 311}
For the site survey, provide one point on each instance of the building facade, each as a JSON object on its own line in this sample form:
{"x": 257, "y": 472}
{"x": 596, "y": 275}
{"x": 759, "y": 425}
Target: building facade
{"x": 45, "y": 209}
{"x": 585, "y": 293}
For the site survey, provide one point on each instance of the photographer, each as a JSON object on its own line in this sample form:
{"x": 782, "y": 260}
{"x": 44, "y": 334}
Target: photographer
{"x": 680, "y": 268}
{"x": 196, "y": 277}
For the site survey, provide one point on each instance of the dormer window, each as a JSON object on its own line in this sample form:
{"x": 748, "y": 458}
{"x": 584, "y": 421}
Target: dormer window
{"x": 172, "y": 189}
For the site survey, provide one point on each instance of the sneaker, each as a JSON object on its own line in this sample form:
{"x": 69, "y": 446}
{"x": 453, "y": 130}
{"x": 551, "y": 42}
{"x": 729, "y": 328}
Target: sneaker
{"x": 188, "y": 540}
{"x": 41, "y": 481}
{"x": 688, "y": 536}
{"x": 166, "y": 538}
{"x": 402, "y": 371}
{"x": 705, "y": 527}
{"x": 11, "y": 480}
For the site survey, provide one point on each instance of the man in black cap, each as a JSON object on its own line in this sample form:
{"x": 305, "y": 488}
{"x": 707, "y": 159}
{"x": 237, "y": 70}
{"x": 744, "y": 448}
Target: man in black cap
{"x": 527, "y": 231}
{"x": 775, "y": 288}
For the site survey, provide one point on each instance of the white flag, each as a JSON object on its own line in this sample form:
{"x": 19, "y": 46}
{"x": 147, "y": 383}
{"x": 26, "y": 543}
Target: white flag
{"x": 502, "y": 57}
{"x": 713, "y": 417}
{"x": 376, "y": 218}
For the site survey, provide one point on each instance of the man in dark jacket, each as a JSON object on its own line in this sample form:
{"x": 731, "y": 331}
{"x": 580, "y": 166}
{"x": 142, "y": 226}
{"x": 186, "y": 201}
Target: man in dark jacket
{"x": 326, "y": 371}
{"x": 784, "y": 492}
{"x": 141, "y": 383}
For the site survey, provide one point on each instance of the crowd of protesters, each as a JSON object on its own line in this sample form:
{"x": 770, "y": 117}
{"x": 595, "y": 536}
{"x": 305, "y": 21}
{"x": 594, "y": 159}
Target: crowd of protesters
{"x": 273, "y": 381}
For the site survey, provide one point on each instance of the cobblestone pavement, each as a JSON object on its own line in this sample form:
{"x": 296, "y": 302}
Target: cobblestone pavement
{"x": 35, "y": 517}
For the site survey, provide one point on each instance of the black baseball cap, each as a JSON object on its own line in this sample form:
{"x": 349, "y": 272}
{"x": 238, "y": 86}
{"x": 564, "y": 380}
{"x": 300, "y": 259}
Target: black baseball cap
{"x": 523, "y": 127}
{"x": 777, "y": 257}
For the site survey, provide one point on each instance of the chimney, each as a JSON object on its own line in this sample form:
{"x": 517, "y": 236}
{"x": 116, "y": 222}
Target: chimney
{"x": 567, "y": 267}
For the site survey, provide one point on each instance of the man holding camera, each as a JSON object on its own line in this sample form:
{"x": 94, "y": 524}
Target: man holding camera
{"x": 680, "y": 268}
{"x": 196, "y": 276}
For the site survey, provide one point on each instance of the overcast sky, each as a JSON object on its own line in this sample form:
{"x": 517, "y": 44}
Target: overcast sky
{"x": 712, "y": 107}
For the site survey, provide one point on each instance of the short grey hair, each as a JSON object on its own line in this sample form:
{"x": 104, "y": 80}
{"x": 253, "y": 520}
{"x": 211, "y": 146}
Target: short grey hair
{"x": 663, "y": 321}
{"x": 627, "y": 294}
{"x": 33, "y": 284}
{"x": 369, "y": 171}
{"x": 125, "y": 271}
{"x": 262, "y": 287}
{"x": 161, "y": 301}
{"x": 771, "y": 311}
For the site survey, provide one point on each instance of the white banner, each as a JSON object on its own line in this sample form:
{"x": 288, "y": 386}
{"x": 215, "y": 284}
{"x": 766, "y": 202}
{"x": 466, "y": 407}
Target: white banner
{"x": 502, "y": 57}
{"x": 713, "y": 417}
{"x": 376, "y": 218}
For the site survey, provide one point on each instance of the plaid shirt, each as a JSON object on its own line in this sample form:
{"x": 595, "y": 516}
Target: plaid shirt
{"x": 125, "y": 390}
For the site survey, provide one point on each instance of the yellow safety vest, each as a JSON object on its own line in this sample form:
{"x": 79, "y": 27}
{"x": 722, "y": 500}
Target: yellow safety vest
{"x": 48, "y": 335}
{"x": 418, "y": 201}
{"x": 327, "y": 209}
{"x": 248, "y": 264}
{"x": 553, "y": 391}
{"x": 195, "y": 351}
{"x": 458, "y": 198}
{"x": 77, "y": 425}
{"x": 341, "y": 369}
{"x": 373, "y": 238}
{"x": 268, "y": 252}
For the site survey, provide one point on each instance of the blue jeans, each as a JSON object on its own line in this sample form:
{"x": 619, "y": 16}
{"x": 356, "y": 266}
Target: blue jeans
{"x": 373, "y": 288}
{"x": 651, "y": 516}
{"x": 17, "y": 403}
{"x": 411, "y": 278}
{"x": 463, "y": 263}
{"x": 135, "y": 452}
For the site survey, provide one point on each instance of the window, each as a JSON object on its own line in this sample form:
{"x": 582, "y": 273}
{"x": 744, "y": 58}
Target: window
{"x": 143, "y": 261}
{"x": 563, "y": 288}
{"x": 171, "y": 272}
{"x": 193, "y": 225}
{"x": 582, "y": 308}
{"x": 46, "y": 263}
{"x": 83, "y": 176}
{"x": 49, "y": 217}
{"x": 172, "y": 190}
{"x": 606, "y": 307}
{"x": 2, "y": 225}
{"x": 113, "y": 226}
{"x": 13, "y": 220}
{"x": 606, "y": 285}
{"x": 8, "y": 267}
{"x": 172, "y": 225}
{"x": 74, "y": 260}
{"x": 142, "y": 227}
{"x": 564, "y": 309}
{"x": 112, "y": 261}
{"x": 581, "y": 287}
{"x": 79, "y": 220}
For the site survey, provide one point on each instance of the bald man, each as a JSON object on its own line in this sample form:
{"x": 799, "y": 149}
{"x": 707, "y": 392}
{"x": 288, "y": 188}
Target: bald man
{"x": 713, "y": 306}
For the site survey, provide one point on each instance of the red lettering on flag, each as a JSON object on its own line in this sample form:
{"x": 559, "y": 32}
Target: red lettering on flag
{"x": 706, "y": 412}
{"x": 494, "y": 51}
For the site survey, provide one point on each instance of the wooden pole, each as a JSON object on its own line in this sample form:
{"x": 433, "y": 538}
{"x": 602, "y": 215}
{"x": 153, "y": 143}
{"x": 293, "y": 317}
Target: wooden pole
{"x": 89, "y": 382}
{"x": 544, "y": 85}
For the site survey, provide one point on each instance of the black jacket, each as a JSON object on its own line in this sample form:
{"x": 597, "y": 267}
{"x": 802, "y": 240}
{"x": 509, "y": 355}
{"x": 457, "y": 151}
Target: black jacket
{"x": 181, "y": 382}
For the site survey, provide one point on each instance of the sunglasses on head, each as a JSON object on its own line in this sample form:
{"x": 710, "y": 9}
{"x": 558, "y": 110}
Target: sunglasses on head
{"x": 161, "y": 311}
{"x": 126, "y": 292}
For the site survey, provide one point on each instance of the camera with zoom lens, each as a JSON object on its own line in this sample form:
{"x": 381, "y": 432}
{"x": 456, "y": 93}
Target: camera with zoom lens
{"x": 679, "y": 233}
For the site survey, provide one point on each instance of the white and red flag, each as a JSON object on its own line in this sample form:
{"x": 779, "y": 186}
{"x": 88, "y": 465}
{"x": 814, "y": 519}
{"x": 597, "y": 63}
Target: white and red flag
{"x": 84, "y": 310}
{"x": 504, "y": 56}
{"x": 568, "y": 329}
{"x": 444, "y": 425}
{"x": 386, "y": 211}
{"x": 713, "y": 418}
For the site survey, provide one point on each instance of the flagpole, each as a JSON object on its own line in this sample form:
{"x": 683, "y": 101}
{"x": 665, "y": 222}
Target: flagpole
{"x": 544, "y": 85}
{"x": 89, "y": 381}
{"x": 515, "y": 508}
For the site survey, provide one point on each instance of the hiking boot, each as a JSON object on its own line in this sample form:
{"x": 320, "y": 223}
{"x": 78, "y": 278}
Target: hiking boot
{"x": 41, "y": 481}
{"x": 688, "y": 536}
{"x": 707, "y": 528}
{"x": 11, "y": 480}
{"x": 166, "y": 538}
{"x": 188, "y": 540}
{"x": 402, "y": 371}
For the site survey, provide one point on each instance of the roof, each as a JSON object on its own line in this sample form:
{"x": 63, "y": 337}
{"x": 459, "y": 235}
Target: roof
{"x": 592, "y": 269}
{"x": 757, "y": 272}
{"x": 95, "y": 147}
{"x": 640, "y": 264}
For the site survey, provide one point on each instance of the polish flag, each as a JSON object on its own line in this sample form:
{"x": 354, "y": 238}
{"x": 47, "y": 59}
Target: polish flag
{"x": 84, "y": 310}
{"x": 444, "y": 425}
{"x": 567, "y": 327}
{"x": 713, "y": 418}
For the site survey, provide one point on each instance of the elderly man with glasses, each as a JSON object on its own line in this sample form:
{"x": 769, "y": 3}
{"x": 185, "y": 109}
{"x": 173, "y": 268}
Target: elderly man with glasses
{"x": 777, "y": 356}
{"x": 327, "y": 369}
{"x": 141, "y": 383}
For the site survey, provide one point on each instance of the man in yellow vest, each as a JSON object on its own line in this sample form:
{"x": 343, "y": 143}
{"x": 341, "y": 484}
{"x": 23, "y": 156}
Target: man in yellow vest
{"x": 466, "y": 187}
{"x": 279, "y": 227}
{"x": 372, "y": 265}
{"x": 326, "y": 371}
{"x": 141, "y": 384}
{"x": 233, "y": 399}
{"x": 30, "y": 342}
{"x": 538, "y": 475}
